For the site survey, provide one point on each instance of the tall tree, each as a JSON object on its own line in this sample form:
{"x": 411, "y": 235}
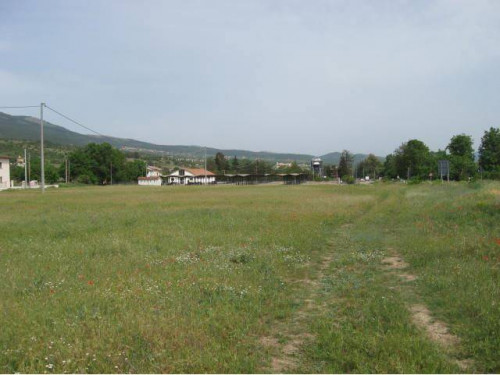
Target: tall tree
{"x": 96, "y": 163}
{"x": 221, "y": 163}
{"x": 134, "y": 169}
{"x": 413, "y": 160}
{"x": 489, "y": 152}
{"x": 235, "y": 165}
{"x": 345, "y": 164}
{"x": 370, "y": 166}
{"x": 461, "y": 157}
{"x": 389, "y": 169}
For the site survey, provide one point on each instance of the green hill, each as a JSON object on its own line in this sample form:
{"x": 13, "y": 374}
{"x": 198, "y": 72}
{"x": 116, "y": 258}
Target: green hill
{"x": 28, "y": 129}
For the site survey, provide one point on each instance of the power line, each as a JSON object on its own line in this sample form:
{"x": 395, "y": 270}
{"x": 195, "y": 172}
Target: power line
{"x": 74, "y": 121}
{"x": 23, "y": 106}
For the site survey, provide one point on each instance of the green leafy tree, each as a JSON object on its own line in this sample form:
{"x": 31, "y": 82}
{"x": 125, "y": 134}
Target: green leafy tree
{"x": 330, "y": 170}
{"x": 134, "y": 169}
{"x": 413, "y": 160}
{"x": 371, "y": 166}
{"x": 389, "y": 170}
{"x": 17, "y": 173}
{"x": 98, "y": 163}
{"x": 211, "y": 166}
{"x": 461, "y": 157}
{"x": 221, "y": 163}
{"x": 246, "y": 166}
{"x": 82, "y": 167}
{"x": 293, "y": 168}
{"x": 489, "y": 153}
{"x": 235, "y": 165}
{"x": 345, "y": 164}
{"x": 51, "y": 172}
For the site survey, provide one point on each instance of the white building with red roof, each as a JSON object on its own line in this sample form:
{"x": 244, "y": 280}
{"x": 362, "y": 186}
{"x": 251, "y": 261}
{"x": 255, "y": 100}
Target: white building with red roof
{"x": 191, "y": 176}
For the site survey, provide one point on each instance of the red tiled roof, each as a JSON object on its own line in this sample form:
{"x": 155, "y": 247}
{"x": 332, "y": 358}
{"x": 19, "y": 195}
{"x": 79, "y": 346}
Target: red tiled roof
{"x": 199, "y": 171}
{"x": 4, "y": 157}
{"x": 148, "y": 178}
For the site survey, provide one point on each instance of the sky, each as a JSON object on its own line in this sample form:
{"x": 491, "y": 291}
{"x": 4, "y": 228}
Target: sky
{"x": 310, "y": 76}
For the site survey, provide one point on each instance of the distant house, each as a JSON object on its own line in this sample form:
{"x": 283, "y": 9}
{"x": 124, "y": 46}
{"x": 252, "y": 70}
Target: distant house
{"x": 4, "y": 172}
{"x": 153, "y": 177}
{"x": 188, "y": 176}
{"x": 20, "y": 161}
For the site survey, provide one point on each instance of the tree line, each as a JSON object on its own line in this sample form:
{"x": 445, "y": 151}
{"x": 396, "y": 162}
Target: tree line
{"x": 221, "y": 164}
{"x": 102, "y": 163}
{"x": 415, "y": 161}
{"x": 92, "y": 164}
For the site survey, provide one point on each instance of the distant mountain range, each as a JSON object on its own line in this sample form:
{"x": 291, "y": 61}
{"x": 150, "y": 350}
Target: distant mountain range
{"x": 28, "y": 129}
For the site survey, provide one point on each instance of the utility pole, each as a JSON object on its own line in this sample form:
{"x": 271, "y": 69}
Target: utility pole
{"x": 206, "y": 182}
{"x": 25, "y": 170}
{"x": 111, "y": 173}
{"x": 29, "y": 167}
{"x": 42, "y": 161}
{"x": 66, "y": 169}
{"x": 69, "y": 170}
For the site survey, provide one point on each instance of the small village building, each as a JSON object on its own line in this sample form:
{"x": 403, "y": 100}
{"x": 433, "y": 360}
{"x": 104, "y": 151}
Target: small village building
{"x": 191, "y": 176}
{"x": 20, "y": 161}
{"x": 153, "y": 177}
{"x": 4, "y": 172}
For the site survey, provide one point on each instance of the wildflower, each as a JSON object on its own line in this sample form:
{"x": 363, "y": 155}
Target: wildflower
{"x": 486, "y": 258}
{"x": 497, "y": 241}
{"x": 90, "y": 282}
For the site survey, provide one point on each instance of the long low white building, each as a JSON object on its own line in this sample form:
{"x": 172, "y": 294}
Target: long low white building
{"x": 188, "y": 176}
{"x": 4, "y": 172}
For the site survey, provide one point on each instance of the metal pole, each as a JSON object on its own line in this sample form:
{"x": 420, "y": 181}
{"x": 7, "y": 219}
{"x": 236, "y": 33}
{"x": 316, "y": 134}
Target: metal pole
{"x": 42, "y": 161}
{"x": 206, "y": 165}
{"x": 69, "y": 170}
{"x": 25, "y": 170}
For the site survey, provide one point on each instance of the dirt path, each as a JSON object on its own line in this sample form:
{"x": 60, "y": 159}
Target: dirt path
{"x": 288, "y": 337}
{"x": 435, "y": 329}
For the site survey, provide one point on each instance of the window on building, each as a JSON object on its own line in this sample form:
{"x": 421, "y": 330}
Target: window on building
{"x": 0, "y": 165}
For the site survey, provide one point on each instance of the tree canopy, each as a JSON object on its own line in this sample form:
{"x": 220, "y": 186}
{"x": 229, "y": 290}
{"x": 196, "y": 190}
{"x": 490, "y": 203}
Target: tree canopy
{"x": 461, "y": 158}
{"x": 101, "y": 163}
{"x": 489, "y": 152}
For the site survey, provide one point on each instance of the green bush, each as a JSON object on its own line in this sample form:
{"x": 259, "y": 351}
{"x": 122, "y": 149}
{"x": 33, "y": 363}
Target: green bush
{"x": 348, "y": 180}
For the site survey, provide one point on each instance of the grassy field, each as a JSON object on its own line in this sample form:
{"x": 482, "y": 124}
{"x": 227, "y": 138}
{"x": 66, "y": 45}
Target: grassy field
{"x": 251, "y": 279}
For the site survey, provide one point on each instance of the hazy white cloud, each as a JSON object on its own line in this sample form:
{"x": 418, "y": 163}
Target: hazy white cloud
{"x": 277, "y": 75}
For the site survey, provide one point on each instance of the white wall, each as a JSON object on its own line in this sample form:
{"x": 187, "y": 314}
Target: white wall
{"x": 150, "y": 182}
{"x": 4, "y": 174}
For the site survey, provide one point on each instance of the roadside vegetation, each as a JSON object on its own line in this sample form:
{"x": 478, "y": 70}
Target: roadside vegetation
{"x": 250, "y": 279}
